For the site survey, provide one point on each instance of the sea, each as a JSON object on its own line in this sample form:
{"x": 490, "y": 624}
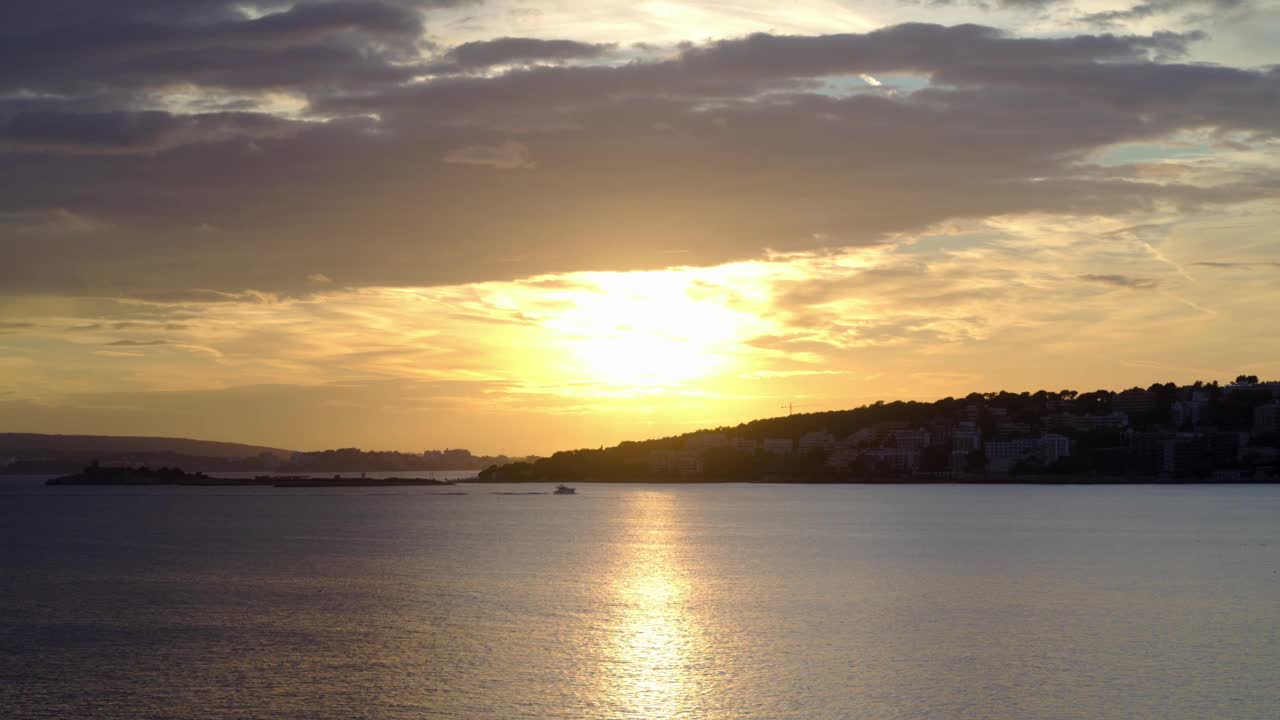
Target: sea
{"x": 724, "y": 601}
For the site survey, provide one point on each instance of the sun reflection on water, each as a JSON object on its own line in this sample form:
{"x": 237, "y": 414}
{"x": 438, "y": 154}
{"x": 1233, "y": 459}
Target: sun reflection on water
{"x": 656, "y": 646}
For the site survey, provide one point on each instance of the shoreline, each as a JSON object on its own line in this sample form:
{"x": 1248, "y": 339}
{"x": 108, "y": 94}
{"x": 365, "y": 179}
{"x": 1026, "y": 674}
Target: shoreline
{"x": 141, "y": 478}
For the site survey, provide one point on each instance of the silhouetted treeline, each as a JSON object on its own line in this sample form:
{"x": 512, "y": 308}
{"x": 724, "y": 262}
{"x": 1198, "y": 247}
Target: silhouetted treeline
{"x": 1100, "y": 452}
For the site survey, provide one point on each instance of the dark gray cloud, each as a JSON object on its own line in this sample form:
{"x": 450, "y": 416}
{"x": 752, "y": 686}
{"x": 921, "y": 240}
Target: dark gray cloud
{"x": 484, "y": 53}
{"x": 916, "y": 47}
{"x": 1125, "y": 281}
{"x": 127, "y": 132}
{"x": 718, "y": 152}
{"x": 76, "y": 46}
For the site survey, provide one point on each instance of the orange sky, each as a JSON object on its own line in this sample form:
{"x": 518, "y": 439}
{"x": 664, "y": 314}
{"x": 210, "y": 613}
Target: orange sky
{"x": 415, "y": 224}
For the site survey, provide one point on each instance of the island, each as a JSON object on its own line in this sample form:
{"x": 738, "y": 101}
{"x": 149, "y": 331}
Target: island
{"x": 96, "y": 474}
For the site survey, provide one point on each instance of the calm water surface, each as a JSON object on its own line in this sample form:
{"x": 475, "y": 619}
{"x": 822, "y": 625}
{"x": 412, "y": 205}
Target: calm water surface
{"x": 640, "y": 601}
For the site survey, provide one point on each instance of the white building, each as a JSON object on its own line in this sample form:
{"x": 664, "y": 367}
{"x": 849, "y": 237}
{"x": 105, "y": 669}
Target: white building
{"x": 1003, "y": 455}
{"x": 1189, "y": 412}
{"x": 911, "y": 439}
{"x": 896, "y": 459}
{"x": 862, "y": 437}
{"x": 1054, "y": 447}
{"x": 745, "y": 445}
{"x": 1266, "y": 419}
{"x": 966, "y": 441}
{"x": 824, "y": 441}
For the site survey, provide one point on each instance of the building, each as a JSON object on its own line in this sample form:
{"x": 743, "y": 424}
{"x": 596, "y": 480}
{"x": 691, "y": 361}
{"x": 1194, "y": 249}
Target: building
{"x": 1226, "y": 448}
{"x": 940, "y": 430}
{"x": 1186, "y": 414}
{"x": 688, "y": 462}
{"x": 745, "y": 445}
{"x": 1012, "y": 428}
{"x": 893, "y": 459}
{"x": 1004, "y": 455}
{"x": 1147, "y": 452}
{"x": 662, "y": 462}
{"x": 1191, "y": 411}
{"x": 841, "y": 458}
{"x": 823, "y": 441}
{"x": 1186, "y": 455}
{"x": 1054, "y": 447}
{"x": 778, "y": 446}
{"x": 911, "y": 439}
{"x": 1266, "y": 419}
{"x": 966, "y": 438}
{"x": 673, "y": 462}
{"x": 861, "y": 438}
{"x": 1090, "y": 423}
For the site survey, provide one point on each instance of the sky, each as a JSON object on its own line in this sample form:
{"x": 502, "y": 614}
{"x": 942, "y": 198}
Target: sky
{"x": 522, "y": 227}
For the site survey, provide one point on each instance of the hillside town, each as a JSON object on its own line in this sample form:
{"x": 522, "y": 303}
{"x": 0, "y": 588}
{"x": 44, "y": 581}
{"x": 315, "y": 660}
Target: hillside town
{"x": 1204, "y": 432}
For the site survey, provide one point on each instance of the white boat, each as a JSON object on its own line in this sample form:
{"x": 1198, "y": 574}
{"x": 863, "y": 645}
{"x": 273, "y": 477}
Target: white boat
{"x": 564, "y": 490}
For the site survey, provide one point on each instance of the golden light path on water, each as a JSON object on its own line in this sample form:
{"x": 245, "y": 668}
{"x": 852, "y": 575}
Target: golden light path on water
{"x": 657, "y": 655}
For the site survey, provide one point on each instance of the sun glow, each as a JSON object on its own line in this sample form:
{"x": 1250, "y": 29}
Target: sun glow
{"x": 649, "y": 330}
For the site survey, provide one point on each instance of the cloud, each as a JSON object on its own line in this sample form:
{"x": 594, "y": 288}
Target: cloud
{"x": 505, "y": 50}
{"x": 717, "y": 151}
{"x": 1147, "y": 9}
{"x": 129, "y": 132}
{"x": 1032, "y": 5}
{"x": 510, "y": 155}
{"x": 1121, "y": 281}
{"x": 792, "y": 324}
{"x": 137, "y": 343}
{"x": 50, "y": 221}
{"x": 1243, "y": 265}
{"x": 76, "y": 46}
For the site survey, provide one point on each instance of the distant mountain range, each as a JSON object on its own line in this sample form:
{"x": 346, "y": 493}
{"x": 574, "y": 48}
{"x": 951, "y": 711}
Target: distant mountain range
{"x": 35, "y": 454}
{"x": 15, "y": 442}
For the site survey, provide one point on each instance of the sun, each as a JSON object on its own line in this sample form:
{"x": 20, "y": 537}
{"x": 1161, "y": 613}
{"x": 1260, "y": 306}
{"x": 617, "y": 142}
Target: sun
{"x": 648, "y": 330}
